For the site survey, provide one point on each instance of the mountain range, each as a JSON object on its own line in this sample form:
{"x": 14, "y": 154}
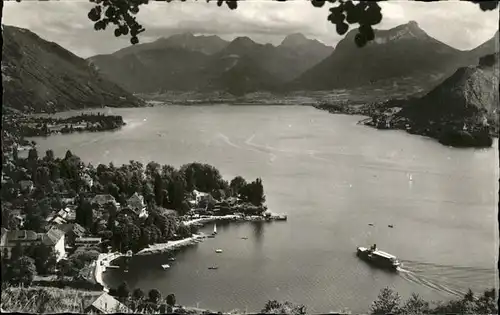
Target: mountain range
{"x": 189, "y": 62}
{"x": 405, "y": 53}
{"x": 41, "y": 76}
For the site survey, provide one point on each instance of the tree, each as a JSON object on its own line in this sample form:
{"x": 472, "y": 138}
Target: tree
{"x": 236, "y": 184}
{"x": 387, "y": 302}
{"x": 138, "y": 294}
{"x": 254, "y": 192}
{"x": 171, "y": 299}
{"x": 415, "y": 305}
{"x": 123, "y": 291}
{"x": 49, "y": 155}
{"x": 275, "y": 307}
{"x": 84, "y": 214}
{"x": 22, "y": 271}
{"x": 154, "y": 296}
{"x": 342, "y": 13}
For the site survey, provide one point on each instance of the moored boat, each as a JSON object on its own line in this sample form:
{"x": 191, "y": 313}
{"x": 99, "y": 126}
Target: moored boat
{"x": 165, "y": 266}
{"x": 378, "y": 258}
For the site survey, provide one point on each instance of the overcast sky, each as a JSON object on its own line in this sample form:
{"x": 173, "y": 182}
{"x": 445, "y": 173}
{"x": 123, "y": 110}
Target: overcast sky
{"x": 457, "y": 23}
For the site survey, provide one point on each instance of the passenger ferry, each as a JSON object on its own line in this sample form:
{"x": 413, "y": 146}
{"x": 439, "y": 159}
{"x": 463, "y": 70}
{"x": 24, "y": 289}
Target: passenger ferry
{"x": 378, "y": 258}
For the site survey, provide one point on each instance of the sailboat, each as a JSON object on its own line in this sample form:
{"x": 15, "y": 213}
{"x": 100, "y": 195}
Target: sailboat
{"x": 215, "y": 229}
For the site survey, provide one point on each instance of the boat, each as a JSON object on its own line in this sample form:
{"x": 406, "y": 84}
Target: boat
{"x": 391, "y": 226}
{"x": 165, "y": 266}
{"x": 218, "y": 251}
{"x": 370, "y": 224}
{"x": 244, "y": 238}
{"x": 215, "y": 229}
{"x": 213, "y": 268}
{"x": 378, "y": 258}
{"x": 171, "y": 259}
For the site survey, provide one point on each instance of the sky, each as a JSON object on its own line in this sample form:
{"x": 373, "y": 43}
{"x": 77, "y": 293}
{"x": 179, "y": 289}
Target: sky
{"x": 457, "y": 23}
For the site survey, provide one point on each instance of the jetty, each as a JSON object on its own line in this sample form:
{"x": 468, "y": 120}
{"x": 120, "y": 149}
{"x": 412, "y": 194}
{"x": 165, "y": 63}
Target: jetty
{"x": 236, "y": 217}
{"x": 165, "y": 247}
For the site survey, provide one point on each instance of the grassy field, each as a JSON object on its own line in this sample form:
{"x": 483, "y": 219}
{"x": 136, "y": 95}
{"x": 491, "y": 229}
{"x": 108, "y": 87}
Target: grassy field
{"x": 44, "y": 300}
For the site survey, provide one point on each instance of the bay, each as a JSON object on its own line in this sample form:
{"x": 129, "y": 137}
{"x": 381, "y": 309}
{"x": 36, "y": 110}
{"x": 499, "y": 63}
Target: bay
{"x": 332, "y": 177}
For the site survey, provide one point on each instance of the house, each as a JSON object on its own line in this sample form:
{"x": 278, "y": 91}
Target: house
{"x": 88, "y": 180}
{"x": 11, "y": 239}
{"x": 55, "y": 238}
{"x": 72, "y": 231}
{"x": 104, "y": 304}
{"x": 137, "y": 205}
{"x": 87, "y": 241}
{"x": 100, "y": 201}
{"x": 26, "y": 186}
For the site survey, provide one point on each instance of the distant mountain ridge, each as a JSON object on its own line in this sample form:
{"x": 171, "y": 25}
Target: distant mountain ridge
{"x": 260, "y": 66}
{"x": 405, "y": 52}
{"x": 41, "y": 76}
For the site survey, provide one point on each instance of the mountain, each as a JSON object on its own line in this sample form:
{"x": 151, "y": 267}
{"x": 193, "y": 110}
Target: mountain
{"x": 489, "y": 47}
{"x": 469, "y": 96}
{"x": 300, "y": 54}
{"x": 205, "y": 44}
{"x": 41, "y": 76}
{"x": 404, "y": 53}
{"x": 187, "y": 62}
{"x": 154, "y": 70}
{"x": 172, "y": 63}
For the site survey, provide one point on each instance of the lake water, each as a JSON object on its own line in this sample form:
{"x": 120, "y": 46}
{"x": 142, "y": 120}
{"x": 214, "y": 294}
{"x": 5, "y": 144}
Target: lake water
{"x": 332, "y": 177}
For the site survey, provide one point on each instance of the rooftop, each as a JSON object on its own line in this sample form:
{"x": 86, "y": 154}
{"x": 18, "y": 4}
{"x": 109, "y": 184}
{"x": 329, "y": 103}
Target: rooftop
{"x": 52, "y": 236}
{"x": 108, "y": 305}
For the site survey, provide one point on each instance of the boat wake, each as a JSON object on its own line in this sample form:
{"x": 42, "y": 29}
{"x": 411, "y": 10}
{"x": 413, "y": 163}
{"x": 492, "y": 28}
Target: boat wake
{"x": 454, "y": 280}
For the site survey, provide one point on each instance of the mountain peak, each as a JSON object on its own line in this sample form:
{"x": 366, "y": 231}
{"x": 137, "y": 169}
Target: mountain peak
{"x": 295, "y": 40}
{"x": 243, "y": 40}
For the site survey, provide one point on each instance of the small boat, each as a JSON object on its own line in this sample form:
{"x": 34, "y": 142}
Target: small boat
{"x": 171, "y": 259}
{"x": 391, "y": 226}
{"x": 410, "y": 177}
{"x": 165, "y": 266}
{"x": 370, "y": 224}
{"x": 218, "y": 251}
{"x": 215, "y": 229}
{"x": 244, "y": 238}
{"x": 213, "y": 268}
{"x": 378, "y": 258}
{"x": 210, "y": 236}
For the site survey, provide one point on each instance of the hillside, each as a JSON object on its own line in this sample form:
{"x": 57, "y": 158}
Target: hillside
{"x": 404, "y": 53}
{"x": 489, "y": 47}
{"x": 41, "y": 76}
{"x": 186, "y": 62}
{"x": 470, "y": 96}
{"x": 461, "y": 111}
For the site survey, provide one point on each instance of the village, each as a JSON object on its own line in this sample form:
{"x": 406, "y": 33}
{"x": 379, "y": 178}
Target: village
{"x": 77, "y": 233}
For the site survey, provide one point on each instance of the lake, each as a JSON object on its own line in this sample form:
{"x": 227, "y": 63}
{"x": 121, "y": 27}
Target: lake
{"x": 332, "y": 177}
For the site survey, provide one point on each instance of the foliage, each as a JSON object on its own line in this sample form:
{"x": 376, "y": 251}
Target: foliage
{"x": 253, "y": 192}
{"x": 44, "y": 258}
{"x": 387, "y": 302}
{"x": 342, "y": 13}
{"x": 154, "y": 296}
{"x": 171, "y": 299}
{"x": 415, "y": 305}
{"x": 236, "y": 185}
{"x": 43, "y": 300}
{"x": 138, "y": 294}
{"x": 123, "y": 290}
{"x": 275, "y": 307}
{"x": 21, "y": 271}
